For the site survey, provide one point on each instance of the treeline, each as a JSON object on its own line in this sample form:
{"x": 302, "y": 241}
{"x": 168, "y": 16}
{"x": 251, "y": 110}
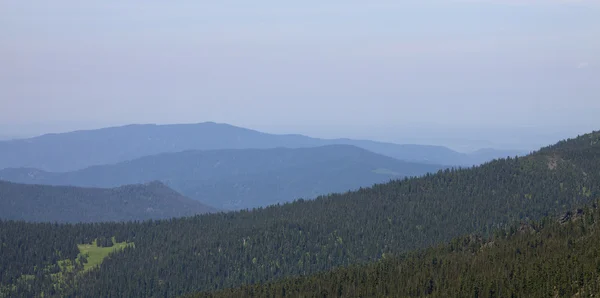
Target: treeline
{"x": 218, "y": 251}
{"x": 550, "y": 258}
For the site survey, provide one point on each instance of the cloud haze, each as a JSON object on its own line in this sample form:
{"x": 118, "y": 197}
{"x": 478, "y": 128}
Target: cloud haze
{"x": 312, "y": 64}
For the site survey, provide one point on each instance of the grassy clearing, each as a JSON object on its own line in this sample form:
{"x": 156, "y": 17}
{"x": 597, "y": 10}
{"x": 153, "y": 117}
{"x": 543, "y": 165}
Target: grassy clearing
{"x": 95, "y": 255}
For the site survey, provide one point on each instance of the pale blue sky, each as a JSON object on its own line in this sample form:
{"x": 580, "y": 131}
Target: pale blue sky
{"x": 373, "y": 69}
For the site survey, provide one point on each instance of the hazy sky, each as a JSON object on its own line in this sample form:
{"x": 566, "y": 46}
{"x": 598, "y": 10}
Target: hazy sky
{"x": 347, "y": 67}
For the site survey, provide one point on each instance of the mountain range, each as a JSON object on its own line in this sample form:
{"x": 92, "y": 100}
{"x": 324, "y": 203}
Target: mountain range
{"x": 80, "y": 149}
{"x": 43, "y": 203}
{"x": 226, "y": 250}
{"x": 241, "y": 178}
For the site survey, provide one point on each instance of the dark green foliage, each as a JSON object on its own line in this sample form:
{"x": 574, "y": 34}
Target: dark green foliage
{"x": 32, "y": 254}
{"x": 217, "y": 251}
{"x": 544, "y": 259}
{"x": 240, "y": 179}
{"x": 104, "y": 242}
{"x": 43, "y": 203}
{"x": 26, "y": 251}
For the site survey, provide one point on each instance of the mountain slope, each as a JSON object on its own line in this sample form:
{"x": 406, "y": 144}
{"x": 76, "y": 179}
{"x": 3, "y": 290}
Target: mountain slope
{"x": 81, "y": 149}
{"x": 218, "y": 251}
{"x": 544, "y": 259}
{"x": 234, "y": 179}
{"x": 45, "y": 203}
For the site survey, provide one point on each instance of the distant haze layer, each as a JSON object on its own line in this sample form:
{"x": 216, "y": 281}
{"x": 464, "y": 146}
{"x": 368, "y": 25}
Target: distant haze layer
{"x": 324, "y": 68}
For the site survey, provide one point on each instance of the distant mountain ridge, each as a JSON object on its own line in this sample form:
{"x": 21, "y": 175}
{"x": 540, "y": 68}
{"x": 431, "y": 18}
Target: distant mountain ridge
{"x": 242, "y": 178}
{"x": 80, "y": 149}
{"x": 43, "y": 203}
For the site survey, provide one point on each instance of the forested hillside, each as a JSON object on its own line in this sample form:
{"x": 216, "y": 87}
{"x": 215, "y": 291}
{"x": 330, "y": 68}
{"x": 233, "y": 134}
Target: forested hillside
{"x": 550, "y": 258}
{"x": 244, "y": 178}
{"x": 226, "y": 250}
{"x": 43, "y": 203}
{"x": 80, "y": 149}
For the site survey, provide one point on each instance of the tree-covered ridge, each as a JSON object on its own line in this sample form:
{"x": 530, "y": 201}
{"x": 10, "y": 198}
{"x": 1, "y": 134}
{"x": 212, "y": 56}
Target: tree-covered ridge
{"x": 242, "y": 178}
{"x": 549, "y": 258}
{"x": 44, "y": 203}
{"x": 227, "y": 250}
{"x": 591, "y": 139}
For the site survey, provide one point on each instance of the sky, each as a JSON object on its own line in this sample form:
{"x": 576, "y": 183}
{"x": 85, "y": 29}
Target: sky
{"x": 474, "y": 72}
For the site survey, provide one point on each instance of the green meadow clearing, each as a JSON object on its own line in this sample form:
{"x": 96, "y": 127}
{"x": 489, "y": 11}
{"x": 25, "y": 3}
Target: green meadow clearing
{"x": 95, "y": 255}
{"x": 92, "y": 253}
